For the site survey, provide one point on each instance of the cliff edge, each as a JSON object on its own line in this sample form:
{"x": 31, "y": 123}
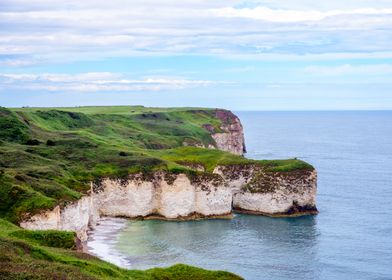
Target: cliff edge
{"x": 249, "y": 189}
{"x": 229, "y": 136}
{"x": 63, "y": 168}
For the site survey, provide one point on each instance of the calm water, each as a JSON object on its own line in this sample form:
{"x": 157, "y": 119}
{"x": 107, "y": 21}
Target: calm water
{"x": 351, "y": 238}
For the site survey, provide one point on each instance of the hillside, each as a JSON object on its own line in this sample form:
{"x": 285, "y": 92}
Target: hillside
{"x": 49, "y": 157}
{"x": 42, "y": 255}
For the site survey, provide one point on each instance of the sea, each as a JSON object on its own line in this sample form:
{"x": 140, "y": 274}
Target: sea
{"x": 351, "y": 237}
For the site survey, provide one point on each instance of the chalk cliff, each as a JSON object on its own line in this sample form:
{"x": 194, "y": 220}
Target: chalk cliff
{"x": 252, "y": 188}
{"x": 77, "y": 216}
{"x": 179, "y": 196}
{"x": 256, "y": 191}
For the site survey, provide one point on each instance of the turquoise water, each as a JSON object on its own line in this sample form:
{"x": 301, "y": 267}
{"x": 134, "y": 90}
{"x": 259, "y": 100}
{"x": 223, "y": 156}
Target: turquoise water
{"x": 351, "y": 238}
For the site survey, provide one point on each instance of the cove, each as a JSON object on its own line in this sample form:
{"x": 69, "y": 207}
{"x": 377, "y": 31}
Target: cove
{"x": 254, "y": 247}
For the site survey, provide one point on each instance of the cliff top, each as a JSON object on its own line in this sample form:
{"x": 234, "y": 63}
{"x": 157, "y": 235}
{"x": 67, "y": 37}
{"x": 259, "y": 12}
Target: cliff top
{"x": 117, "y": 110}
{"x": 49, "y": 155}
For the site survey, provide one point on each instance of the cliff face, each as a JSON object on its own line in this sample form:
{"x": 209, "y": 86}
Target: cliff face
{"x": 271, "y": 193}
{"x": 77, "y": 217}
{"x": 163, "y": 195}
{"x": 231, "y": 137}
{"x": 180, "y": 197}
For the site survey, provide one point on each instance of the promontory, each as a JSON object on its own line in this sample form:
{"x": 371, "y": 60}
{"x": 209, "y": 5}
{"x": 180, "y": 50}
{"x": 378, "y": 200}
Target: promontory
{"x": 64, "y": 168}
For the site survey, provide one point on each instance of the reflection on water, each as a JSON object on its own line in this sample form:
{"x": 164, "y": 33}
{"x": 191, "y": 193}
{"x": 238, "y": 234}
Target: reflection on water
{"x": 251, "y": 246}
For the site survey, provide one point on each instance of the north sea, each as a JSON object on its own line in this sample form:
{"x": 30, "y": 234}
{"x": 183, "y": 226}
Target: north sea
{"x": 351, "y": 237}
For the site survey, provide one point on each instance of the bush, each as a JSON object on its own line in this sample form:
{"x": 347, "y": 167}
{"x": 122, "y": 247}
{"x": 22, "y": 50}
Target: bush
{"x": 33, "y": 142}
{"x": 50, "y": 143}
{"x": 50, "y": 238}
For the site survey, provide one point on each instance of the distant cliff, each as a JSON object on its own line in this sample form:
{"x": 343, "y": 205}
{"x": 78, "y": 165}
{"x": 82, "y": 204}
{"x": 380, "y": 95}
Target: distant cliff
{"x": 230, "y": 135}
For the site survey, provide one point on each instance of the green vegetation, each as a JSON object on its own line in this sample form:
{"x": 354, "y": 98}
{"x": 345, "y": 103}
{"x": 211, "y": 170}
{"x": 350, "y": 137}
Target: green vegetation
{"x": 11, "y": 128}
{"x": 48, "y": 156}
{"x": 212, "y": 158}
{"x": 51, "y": 238}
{"x": 41, "y": 255}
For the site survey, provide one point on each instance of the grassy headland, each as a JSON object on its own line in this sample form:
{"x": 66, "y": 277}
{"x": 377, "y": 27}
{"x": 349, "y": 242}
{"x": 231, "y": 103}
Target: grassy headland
{"x": 49, "y": 155}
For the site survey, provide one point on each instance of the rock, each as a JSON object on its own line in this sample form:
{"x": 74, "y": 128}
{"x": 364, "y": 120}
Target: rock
{"x": 231, "y": 137}
{"x": 162, "y": 195}
{"x": 279, "y": 194}
{"x": 76, "y": 216}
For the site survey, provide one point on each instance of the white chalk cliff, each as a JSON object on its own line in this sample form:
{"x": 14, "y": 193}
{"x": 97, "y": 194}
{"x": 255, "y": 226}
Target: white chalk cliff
{"x": 163, "y": 195}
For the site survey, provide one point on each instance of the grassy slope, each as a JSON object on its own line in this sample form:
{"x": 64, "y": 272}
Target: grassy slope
{"x": 49, "y": 255}
{"x": 49, "y": 156}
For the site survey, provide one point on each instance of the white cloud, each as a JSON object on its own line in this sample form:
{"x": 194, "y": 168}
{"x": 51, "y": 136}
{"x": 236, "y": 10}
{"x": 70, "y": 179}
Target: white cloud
{"x": 292, "y": 16}
{"x": 97, "y": 81}
{"x": 80, "y": 30}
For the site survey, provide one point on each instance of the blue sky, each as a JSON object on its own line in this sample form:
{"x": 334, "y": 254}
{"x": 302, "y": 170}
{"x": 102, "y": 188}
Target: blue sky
{"x": 241, "y": 55}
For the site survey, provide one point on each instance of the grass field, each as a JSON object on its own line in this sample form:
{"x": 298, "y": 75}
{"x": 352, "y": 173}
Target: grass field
{"x": 48, "y": 156}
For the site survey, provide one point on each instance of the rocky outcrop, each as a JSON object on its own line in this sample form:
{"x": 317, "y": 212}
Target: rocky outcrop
{"x": 231, "y": 136}
{"x": 278, "y": 194}
{"x": 76, "y": 216}
{"x": 162, "y": 195}
{"x": 256, "y": 191}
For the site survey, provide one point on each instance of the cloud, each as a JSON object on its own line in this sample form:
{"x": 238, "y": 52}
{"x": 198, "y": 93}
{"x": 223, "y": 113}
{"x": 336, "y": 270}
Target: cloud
{"x": 81, "y": 30}
{"x": 292, "y": 16}
{"x": 96, "y": 81}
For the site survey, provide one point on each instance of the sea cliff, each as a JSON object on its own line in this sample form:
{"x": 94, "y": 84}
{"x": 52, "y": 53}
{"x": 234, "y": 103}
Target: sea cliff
{"x": 65, "y": 168}
{"x": 182, "y": 197}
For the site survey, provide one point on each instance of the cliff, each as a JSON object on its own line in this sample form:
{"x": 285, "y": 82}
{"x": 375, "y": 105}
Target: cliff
{"x": 64, "y": 168}
{"x": 230, "y": 136}
{"x": 249, "y": 189}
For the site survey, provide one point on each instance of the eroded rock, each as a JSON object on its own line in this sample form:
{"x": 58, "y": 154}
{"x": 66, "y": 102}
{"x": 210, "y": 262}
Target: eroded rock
{"x": 163, "y": 195}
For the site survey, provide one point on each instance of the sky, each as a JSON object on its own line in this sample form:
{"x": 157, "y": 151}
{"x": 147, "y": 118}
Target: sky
{"x": 239, "y": 55}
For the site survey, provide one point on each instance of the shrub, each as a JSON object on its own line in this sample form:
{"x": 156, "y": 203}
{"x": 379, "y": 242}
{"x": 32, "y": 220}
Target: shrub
{"x": 33, "y": 142}
{"x": 50, "y": 143}
{"x": 50, "y": 238}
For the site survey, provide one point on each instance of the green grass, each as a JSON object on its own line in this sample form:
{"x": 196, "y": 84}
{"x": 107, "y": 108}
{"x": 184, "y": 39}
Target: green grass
{"x": 48, "y": 156}
{"x": 49, "y": 255}
{"x": 212, "y": 158}
{"x": 50, "y": 238}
